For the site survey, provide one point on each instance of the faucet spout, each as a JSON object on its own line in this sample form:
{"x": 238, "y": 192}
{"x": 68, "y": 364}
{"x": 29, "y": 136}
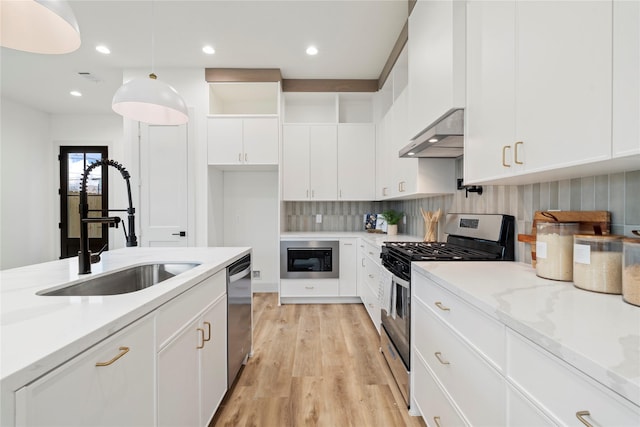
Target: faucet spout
{"x": 84, "y": 255}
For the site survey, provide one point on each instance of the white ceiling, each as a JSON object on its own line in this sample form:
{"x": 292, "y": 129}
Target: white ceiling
{"x": 354, "y": 38}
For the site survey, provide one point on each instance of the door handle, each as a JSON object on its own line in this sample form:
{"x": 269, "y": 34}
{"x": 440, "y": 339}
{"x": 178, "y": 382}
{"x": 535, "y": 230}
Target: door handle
{"x": 181, "y": 234}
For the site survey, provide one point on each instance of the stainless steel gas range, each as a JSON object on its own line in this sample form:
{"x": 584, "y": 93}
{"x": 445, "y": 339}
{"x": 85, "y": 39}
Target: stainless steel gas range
{"x": 470, "y": 237}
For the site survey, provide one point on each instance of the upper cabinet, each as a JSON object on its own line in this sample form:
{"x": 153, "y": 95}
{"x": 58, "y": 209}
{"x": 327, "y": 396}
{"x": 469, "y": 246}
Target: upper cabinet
{"x": 626, "y": 78}
{"x": 243, "y": 124}
{"x": 436, "y": 61}
{"x": 328, "y": 146}
{"x": 540, "y": 87}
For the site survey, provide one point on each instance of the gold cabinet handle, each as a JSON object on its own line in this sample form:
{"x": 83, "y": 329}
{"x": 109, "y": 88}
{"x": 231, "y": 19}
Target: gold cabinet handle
{"x": 208, "y": 338}
{"x": 246, "y": 157}
{"x": 309, "y": 287}
{"x": 439, "y": 357}
{"x": 201, "y": 338}
{"x": 504, "y": 154}
{"x": 442, "y": 307}
{"x": 580, "y": 415}
{"x": 239, "y": 157}
{"x": 515, "y": 149}
{"x": 437, "y": 421}
{"x": 123, "y": 351}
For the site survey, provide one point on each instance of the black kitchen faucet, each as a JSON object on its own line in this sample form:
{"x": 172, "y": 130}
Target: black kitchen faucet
{"x": 84, "y": 255}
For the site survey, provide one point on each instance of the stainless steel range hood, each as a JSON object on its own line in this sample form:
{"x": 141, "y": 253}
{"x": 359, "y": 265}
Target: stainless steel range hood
{"x": 444, "y": 138}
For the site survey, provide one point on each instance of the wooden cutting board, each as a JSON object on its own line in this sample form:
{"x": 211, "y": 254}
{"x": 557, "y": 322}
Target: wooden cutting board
{"x": 589, "y": 221}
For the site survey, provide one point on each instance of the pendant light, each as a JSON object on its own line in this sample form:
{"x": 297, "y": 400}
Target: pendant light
{"x": 149, "y": 100}
{"x": 39, "y": 26}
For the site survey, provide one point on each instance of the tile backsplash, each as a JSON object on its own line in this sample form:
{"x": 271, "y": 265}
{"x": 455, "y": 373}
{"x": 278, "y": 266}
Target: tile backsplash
{"x": 617, "y": 193}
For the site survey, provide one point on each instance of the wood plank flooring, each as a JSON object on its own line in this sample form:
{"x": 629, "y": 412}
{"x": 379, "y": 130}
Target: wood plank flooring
{"x": 313, "y": 365}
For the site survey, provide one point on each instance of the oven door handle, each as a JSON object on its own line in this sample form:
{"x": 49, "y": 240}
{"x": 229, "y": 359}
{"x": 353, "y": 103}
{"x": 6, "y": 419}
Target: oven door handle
{"x": 400, "y": 281}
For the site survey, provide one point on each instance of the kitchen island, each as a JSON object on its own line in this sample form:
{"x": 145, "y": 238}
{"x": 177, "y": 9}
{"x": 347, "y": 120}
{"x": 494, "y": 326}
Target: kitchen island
{"x": 41, "y": 333}
{"x": 552, "y": 353}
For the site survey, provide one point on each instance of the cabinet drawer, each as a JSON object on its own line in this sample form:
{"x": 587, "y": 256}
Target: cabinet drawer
{"x": 478, "y": 389}
{"x": 432, "y": 403}
{"x": 309, "y": 288}
{"x": 370, "y": 302}
{"x": 481, "y": 331}
{"x": 522, "y": 412}
{"x": 562, "y": 390}
{"x": 178, "y": 312}
{"x": 81, "y": 393}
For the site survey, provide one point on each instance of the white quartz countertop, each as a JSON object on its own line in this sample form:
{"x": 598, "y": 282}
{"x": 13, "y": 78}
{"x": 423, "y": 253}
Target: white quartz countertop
{"x": 38, "y": 333}
{"x": 597, "y": 333}
{"x": 374, "y": 238}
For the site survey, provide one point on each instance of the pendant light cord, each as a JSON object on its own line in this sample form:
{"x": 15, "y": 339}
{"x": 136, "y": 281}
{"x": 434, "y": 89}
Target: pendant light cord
{"x": 153, "y": 42}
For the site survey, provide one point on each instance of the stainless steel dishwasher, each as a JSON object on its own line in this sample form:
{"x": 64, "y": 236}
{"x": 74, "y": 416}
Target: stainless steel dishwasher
{"x": 238, "y": 316}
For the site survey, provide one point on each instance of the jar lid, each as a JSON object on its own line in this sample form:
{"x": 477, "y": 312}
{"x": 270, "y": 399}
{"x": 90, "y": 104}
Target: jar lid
{"x": 602, "y": 237}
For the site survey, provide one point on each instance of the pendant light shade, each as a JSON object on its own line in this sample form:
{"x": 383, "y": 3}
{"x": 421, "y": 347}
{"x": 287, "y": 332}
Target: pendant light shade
{"x": 39, "y": 26}
{"x": 150, "y": 101}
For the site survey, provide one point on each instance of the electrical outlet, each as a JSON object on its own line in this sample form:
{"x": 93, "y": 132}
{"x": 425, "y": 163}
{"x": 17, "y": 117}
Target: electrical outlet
{"x": 255, "y": 274}
{"x": 318, "y": 218}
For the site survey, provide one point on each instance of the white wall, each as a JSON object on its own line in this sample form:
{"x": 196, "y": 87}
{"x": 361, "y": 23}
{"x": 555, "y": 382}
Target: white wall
{"x": 28, "y": 221}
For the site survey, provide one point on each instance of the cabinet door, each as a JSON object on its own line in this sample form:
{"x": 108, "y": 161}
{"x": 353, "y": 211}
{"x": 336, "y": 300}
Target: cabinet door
{"x": 490, "y": 115}
{"x": 295, "y": 162}
{"x": 260, "y": 141}
{"x": 178, "y": 379}
{"x": 224, "y": 141}
{"x": 563, "y": 82}
{"x": 384, "y": 161}
{"x": 356, "y": 162}
{"x": 79, "y": 393}
{"x": 405, "y": 171}
{"x": 348, "y": 269}
{"x": 323, "y": 162}
{"x": 626, "y": 78}
{"x": 213, "y": 360}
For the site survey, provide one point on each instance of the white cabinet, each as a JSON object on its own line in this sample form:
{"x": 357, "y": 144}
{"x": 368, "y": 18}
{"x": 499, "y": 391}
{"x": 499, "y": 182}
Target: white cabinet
{"x": 348, "y": 273}
{"x": 356, "y": 162}
{"x": 536, "y": 100}
{"x": 242, "y": 141}
{"x": 328, "y": 146}
{"x": 192, "y": 354}
{"x": 565, "y": 393}
{"x": 110, "y": 384}
{"x": 309, "y": 162}
{"x": 626, "y": 78}
{"x": 370, "y": 275}
{"x": 436, "y": 61}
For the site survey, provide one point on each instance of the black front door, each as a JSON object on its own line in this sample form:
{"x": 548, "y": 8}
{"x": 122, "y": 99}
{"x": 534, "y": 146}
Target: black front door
{"x": 73, "y": 162}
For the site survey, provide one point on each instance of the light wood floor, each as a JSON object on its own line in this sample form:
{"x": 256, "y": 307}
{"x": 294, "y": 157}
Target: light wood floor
{"x": 314, "y": 365}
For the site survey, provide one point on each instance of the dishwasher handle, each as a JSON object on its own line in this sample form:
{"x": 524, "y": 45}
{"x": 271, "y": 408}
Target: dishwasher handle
{"x": 240, "y": 275}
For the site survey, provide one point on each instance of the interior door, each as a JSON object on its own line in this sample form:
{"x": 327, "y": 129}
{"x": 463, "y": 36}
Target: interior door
{"x": 163, "y": 185}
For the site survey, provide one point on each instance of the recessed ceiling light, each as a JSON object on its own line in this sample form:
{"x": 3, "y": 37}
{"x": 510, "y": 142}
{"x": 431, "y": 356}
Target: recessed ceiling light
{"x": 433, "y": 140}
{"x": 209, "y": 50}
{"x": 312, "y": 50}
{"x": 75, "y": 93}
{"x": 103, "y": 49}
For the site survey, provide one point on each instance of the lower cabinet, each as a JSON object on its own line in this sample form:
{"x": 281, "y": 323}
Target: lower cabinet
{"x": 110, "y": 384}
{"x": 192, "y": 365}
{"x": 456, "y": 381}
{"x": 370, "y": 287}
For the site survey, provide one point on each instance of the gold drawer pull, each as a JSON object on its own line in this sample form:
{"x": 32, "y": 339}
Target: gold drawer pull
{"x": 437, "y": 421}
{"x": 123, "y": 351}
{"x": 202, "y": 340}
{"x": 504, "y": 154}
{"x": 442, "y": 307}
{"x": 515, "y": 149}
{"x": 580, "y": 415}
{"x": 438, "y": 356}
{"x": 309, "y": 287}
{"x": 208, "y": 338}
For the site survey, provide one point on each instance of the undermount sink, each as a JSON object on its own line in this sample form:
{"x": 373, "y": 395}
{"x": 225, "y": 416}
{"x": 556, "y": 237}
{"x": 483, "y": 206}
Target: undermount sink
{"x": 131, "y": 279}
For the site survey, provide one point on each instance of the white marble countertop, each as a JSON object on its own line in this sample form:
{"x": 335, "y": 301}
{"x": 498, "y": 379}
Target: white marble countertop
{"x": 374, "y": 238}
{"x": 597, "y": 333}
{"x": 38, "y": 333}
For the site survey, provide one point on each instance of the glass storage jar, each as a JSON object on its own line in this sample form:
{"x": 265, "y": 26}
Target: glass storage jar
{"x": 554, "y": 249}
{"x": 631, "y": 271}
{"x": 597, "y": 263}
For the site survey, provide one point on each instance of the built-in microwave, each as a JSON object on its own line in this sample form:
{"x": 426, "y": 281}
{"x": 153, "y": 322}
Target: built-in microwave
{"x": 309, "y": 259}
